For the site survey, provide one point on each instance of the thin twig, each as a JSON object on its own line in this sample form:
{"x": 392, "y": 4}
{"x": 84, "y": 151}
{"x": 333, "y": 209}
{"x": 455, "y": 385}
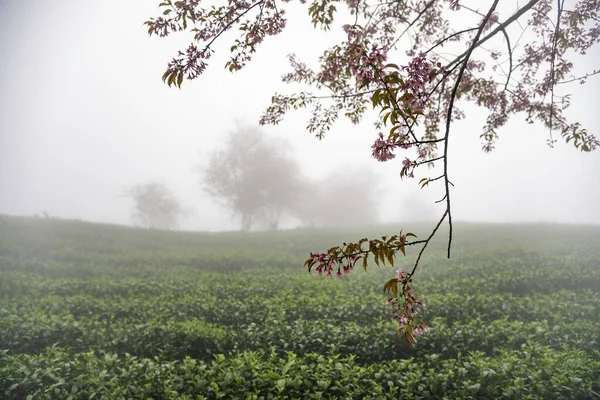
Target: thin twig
{"x": 414, "y": 21}
{"x": 431, "y": 235}
{"x": 510, "y": 58}
{"x": 430, "y": 160}
{"x": 595, "y": 72}
{"x": 501, "y": 26}
{"x": 448, "y": 38}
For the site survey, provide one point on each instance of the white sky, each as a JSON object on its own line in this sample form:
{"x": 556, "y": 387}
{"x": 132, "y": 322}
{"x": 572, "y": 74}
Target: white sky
{"x": 84, "y": 115}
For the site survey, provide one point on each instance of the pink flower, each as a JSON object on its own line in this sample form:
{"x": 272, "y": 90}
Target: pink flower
{"x": 418, "y": 71}
{"x": 400, "y": 275}
{"x": 382, "y": 149}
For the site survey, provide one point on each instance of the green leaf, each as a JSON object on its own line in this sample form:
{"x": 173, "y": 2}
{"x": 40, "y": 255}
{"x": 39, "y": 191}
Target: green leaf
{"x": 323, "y": 384}
{"x": 375, "y": 99}
{"x": 395, "y": 128}
{"x": 287, "y": 366}
{"x": 281, "y": 384}
{"x": 432, "y": 74}
{"x": 408, "y": 335}
{"x": 385, "y": 117}
{"x": 391, "y": 286}
{"x": 390, "y": 256}
{"x": 273, "y": 375}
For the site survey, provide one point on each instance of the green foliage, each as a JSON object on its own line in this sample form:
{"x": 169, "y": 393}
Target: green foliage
{"x": 92, "y": 311}
{"x": 532, "y": 372}
{"x": 321, "y": 13}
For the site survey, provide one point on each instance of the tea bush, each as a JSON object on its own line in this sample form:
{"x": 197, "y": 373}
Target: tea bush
{"x": 93, "y": 311}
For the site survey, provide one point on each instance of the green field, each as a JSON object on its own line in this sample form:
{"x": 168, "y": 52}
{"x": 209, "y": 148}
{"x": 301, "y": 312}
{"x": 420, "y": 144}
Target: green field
{"x": 107, "y": 312}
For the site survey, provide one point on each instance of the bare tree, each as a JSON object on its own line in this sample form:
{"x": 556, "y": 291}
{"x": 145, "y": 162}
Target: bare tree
{"x": 155, "y": 206}
{"x": 254, "y": 176}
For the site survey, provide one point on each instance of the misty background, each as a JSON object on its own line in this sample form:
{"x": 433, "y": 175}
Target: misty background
{"x": 84, "y": 115}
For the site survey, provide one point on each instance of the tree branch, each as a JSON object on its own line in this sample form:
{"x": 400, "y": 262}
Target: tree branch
{"x": 414, "y": 21}
{"x": 501, "y": 26}
{"x": 449, "y": 117}
{"x": 595, "y": 72}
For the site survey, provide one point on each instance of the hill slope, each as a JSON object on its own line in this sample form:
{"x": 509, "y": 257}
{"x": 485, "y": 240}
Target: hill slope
{"x": 101, "y": 311}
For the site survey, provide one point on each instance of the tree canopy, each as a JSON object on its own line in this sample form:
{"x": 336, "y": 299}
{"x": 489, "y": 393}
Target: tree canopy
{"x": 418, "y": 63}
{"x": 155, "y": 206}
{"x": 254, "y": 176}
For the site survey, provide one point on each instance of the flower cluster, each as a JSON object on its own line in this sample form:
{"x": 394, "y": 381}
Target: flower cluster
{"x": 280, "y": 104}
{"x": 270, "y": 21}
{"x": 332, "y": 63}
{"x": 420, "y": 72}
{"x": 301, "y": 73}
{"x": 408, "y": 166}
{"x": 406, "y": 309}
{"x": 368, "y": 65}
{"x": 326, "y": 264}
{"x": 365, "y": 62}
{"x": 162, "y": 27}
{"x": 191, "y": 62}
{"x": 208, "y": 24}
{"x": 382, "y": 148}
{"x": 174, "y": 19}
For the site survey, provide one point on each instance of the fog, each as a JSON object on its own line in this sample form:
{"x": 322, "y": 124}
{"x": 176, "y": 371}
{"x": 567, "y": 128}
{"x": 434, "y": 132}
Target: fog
{"x": 84, "y": 115}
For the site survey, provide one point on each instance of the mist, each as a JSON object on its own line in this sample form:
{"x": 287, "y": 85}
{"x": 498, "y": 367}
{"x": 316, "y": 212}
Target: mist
{"x": 84, "y": 115}
{"x": 127, "y": 269}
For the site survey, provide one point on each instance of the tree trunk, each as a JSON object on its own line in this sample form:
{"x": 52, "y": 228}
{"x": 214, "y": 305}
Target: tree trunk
{"x": 246, "y": 222}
